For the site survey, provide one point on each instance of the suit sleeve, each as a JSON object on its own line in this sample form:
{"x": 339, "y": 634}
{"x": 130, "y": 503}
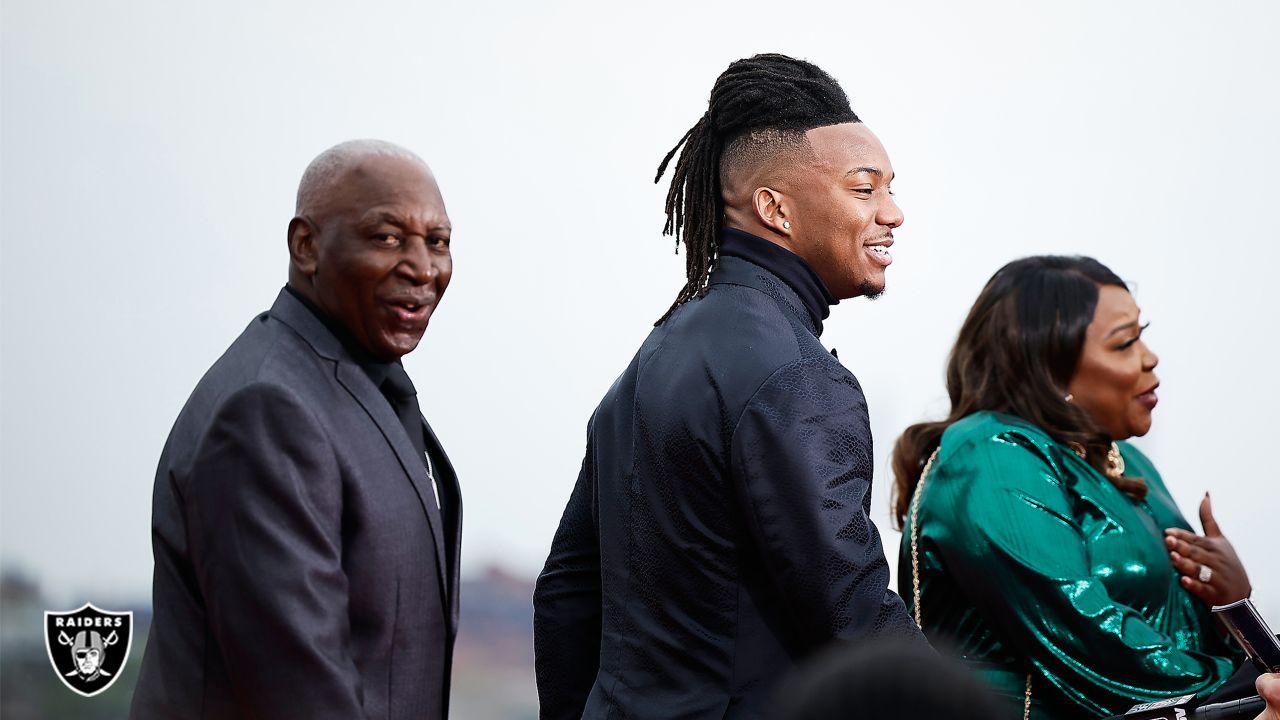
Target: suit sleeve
{"x": 1012, "y": 533}
{"x": 802, "y": 461}
{"x": 567, "y": 607}
{"x": 264, "y": 508}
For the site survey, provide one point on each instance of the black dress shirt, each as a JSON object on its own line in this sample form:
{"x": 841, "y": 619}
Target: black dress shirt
{"x": 391, "y": 380}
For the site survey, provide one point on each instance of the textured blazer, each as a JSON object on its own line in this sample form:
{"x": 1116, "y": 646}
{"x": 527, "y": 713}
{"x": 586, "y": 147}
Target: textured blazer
{"x": 302, "y": 567}
{"x": 718, "y": 531}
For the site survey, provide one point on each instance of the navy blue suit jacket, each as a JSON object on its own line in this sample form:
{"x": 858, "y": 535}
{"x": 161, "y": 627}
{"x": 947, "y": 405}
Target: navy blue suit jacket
{"x": 300, "y": 558}
{"x": 718, "y": 531}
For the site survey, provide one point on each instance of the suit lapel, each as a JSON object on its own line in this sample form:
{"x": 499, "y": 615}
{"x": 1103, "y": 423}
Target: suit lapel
{"x": 451, "y": 498}
{"x": 361, "y": 388}
{"x": 293, "y": 313}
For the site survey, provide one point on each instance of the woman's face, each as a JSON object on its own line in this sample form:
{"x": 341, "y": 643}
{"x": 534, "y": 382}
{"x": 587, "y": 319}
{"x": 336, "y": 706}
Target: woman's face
{"x": 1115, "y": 381}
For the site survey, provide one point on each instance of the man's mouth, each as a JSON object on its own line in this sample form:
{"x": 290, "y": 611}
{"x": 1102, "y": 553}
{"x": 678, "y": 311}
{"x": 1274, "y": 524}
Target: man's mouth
{"x": 879, "y": 251}
{"x": 410, "y": 310}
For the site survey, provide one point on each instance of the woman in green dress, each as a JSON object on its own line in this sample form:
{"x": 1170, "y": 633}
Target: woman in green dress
{"x": 1048, "y": 551}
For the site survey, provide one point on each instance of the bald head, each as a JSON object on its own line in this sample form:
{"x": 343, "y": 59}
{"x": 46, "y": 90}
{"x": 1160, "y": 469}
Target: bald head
{"x": 325, "y": 173}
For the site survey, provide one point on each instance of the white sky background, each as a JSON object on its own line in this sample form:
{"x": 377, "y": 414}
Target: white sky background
{"x": 149, "y": 153}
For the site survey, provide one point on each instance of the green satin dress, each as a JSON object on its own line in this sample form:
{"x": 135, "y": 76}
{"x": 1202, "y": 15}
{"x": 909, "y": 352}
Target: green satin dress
{"x": 1032, "y": 562}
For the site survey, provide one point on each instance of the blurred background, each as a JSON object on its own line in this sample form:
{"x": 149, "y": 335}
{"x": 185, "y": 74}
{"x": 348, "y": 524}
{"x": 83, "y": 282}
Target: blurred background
{"x": 150, "y": 150}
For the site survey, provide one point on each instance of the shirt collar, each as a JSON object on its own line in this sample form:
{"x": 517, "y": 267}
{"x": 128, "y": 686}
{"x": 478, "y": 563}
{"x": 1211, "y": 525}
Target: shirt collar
{"x": 375, "y": 369}
{"x": 789, "y": 267}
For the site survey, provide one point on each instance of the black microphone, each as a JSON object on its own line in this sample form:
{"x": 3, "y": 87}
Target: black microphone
{"x": 1180, "y": 708}
{"x": 1243, "y": 708}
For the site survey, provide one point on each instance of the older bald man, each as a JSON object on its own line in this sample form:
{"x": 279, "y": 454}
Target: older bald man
{"x": 306, "y": 521}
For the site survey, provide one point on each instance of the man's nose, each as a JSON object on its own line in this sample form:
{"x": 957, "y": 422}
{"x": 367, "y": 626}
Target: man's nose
{"x": 418, "y": 263}
{"x": 889, "y": 214}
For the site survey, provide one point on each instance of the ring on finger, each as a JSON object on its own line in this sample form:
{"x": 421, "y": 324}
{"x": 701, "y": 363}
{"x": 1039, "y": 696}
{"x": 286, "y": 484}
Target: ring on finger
{"x": 1206, "y": 574}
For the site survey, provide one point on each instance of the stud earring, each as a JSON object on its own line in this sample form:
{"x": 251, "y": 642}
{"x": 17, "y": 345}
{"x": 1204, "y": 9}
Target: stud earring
{"x": 786, "y": 224}
{"x": 1069, "y": 397}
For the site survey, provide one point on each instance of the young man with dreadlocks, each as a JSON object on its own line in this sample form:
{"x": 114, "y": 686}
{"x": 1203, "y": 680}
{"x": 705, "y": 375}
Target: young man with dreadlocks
{"x": 718, "y": 532}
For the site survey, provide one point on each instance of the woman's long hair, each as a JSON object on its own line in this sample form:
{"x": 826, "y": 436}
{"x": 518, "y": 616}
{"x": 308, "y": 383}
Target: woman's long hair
{"x": 1016, "y": 354}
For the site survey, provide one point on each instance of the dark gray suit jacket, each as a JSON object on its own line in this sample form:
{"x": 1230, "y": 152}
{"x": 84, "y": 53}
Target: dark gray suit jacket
{"x": 302, "y": 568}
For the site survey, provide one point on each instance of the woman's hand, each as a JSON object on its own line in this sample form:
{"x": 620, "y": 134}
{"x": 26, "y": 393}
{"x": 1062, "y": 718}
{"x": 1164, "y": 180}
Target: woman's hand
{"x": 1208, "y": 563}
{"x": 1269, "y": 688}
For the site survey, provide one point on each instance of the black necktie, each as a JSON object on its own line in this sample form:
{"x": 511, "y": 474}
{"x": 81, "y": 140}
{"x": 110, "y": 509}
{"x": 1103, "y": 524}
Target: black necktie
{"x": 403, "y": 396}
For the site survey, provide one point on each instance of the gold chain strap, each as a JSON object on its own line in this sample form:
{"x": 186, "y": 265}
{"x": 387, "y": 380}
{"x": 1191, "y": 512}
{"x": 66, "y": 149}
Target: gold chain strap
{"x": 915, "y": 538}
{"x": 915, "y": 567}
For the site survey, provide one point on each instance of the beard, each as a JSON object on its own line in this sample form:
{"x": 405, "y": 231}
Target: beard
{"x": 870, "y": 290}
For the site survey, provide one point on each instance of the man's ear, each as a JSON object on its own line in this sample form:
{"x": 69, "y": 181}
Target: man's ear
{"x": 302, "y": 245}
{"x": 770, "y": 206}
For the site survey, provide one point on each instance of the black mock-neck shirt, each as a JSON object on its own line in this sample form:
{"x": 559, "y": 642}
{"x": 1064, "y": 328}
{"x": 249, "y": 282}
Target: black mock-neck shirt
{"x": 790, "y": 267}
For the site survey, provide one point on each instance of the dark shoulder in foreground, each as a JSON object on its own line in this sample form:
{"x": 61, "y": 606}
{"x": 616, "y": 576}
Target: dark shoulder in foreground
{"x": 268, "y": 356}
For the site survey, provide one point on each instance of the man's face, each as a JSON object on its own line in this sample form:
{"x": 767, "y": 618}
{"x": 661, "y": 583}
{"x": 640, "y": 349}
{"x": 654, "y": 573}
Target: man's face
{"x": 87, "y": 660}
{"x": 842, "y": 213}
{"x": 381, "y": 254}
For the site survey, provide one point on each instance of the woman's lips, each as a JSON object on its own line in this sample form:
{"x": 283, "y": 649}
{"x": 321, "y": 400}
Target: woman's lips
{"x": 1148, "y": 399}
